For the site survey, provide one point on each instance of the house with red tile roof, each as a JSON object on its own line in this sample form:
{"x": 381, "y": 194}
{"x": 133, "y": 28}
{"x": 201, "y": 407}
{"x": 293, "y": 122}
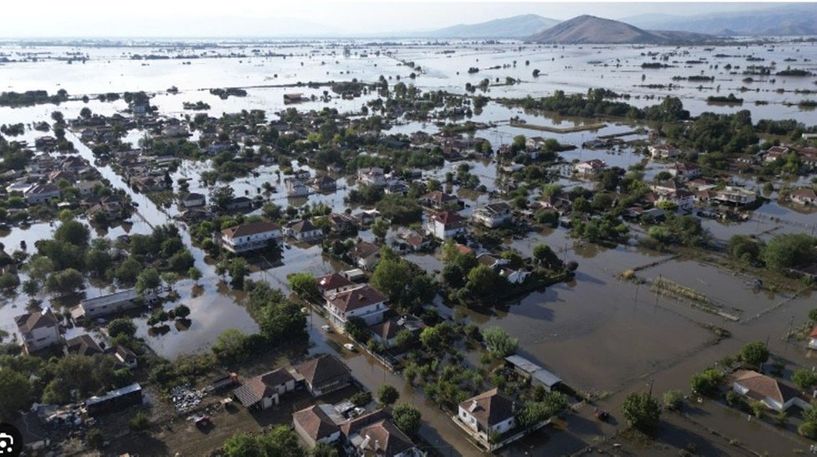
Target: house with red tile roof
{"x": 364, "y": 302}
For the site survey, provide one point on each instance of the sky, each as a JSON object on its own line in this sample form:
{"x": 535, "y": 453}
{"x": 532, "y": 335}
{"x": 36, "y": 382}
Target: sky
{"x": 271, "y": 18}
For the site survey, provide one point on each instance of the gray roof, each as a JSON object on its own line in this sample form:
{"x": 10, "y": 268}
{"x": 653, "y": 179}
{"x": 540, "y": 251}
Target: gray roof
{"x": 536, "y": 372}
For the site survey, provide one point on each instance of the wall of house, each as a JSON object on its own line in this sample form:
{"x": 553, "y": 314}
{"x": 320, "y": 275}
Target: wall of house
{"x": 43, "y": 337}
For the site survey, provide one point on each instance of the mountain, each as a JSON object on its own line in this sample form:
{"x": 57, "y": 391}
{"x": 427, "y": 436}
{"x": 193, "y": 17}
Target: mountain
{"x": 591, "y": 29}
{"x": 783, "y": 20}
{"x": 509, "y": 27}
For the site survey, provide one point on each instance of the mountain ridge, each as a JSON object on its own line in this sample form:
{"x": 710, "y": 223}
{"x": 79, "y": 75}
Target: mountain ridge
{"x": 587, "y": 29}
{"x": 519, "y": 26}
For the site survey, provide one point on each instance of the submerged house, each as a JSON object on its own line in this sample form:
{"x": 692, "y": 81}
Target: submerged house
{"x": 324, "y": 374}
{"x": 487, "y": 415}
{"x": 250, "y": 236}
{"x": 364, "y": 302}
{"x": 317, "y": 424}
{"x": 264, "y": 391}
{"x": 39, "y": 330}
{"x": 775, "y": 395}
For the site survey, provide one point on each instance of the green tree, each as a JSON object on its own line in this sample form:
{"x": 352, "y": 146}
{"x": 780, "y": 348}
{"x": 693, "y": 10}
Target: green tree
{"x": 305, "y": 285}
{"x": 181, "y": 311}
{"x": 121, "y": 326}
{"x": 755, "y": 353}
{"x": 230, "y": 346}
{"x": 706, "y": 382}
{"x": 804, "y": 379}
{"x": 238, "y": 270}
{"x": 744, "y": 248}
{"x": 73, "y": 232}
{"x": 65, "y": 282}
{"x": 535, "y": 412}
{"x": 15, "y": 391}
{"x": 499, "y": 343}
{"x": 380, "y": 228}
{"x": 356, "y": 328}
{"x": 407, "y": 418}
{"x": 128, "y": 271}
{"x": 789, "y": 250}
{"x": 194, "y": 274}
{"x": 148, "y": 281}
{"x": 387, "y": 394}
{"x": 642, "y": 412}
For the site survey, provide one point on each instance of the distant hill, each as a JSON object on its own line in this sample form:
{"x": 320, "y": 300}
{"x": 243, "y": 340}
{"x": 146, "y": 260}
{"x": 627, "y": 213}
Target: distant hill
{"x": 510, "y": 27}
{"x": 591, "y": 29}
{"x": 783, "y": 20}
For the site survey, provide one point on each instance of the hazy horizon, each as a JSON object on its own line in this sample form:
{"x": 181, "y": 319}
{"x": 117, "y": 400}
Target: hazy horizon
{"x": 322, "y": 18}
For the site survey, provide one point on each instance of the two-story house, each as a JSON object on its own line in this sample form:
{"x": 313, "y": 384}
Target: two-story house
{"x": 444, "y": 225}
{"x": 39, "y": 330}
{"x": 364, "y": 302}
{"x": 493, "y": 214}
{"x": 486, "y": 415}
{"x": 373, "y": 176}
{"x": 324, "y": 374}
{"x": 250, "y": 236}
{"x": 375, "y": 434}
{"x": 304, "y": 230}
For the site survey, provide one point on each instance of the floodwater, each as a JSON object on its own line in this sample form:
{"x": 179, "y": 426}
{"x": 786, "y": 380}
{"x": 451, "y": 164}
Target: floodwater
{"x": 599, "y": 333}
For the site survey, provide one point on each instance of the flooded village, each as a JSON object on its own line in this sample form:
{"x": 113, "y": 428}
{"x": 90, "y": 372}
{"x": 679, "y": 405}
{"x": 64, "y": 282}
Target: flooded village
{"x": 408, "y": 247}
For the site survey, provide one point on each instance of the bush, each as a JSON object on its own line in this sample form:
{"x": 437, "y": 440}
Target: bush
{"x": 808, "y": 429}
{"x": 387, "y": 394}
{"x": 804, "y": 378}
{"x": 361, "y": 398}
{"x": 706, "y": 382}
{"x": 407, "y": 419}
{"x": 642, "y": 411}
{"x": 499, "y": 343}
{"x": 357, "y": 329}
{"x": 754, "y": 354}
{"x": 673, "y": 399}
{"x": 121, "y": 326}
{"x": 139, "y": 422}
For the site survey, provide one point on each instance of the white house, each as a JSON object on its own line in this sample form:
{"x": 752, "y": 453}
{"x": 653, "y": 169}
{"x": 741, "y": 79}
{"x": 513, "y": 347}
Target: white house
{"x": 812, "y": 338}
{"x": 304, "y": 230}
{"x": 735, "y": 195}
{"x": 499, "y": 265}
{"x": 375, "y": 435}
{"x": 193, "y": 200}
{"x": 445, "y": 224}
{"x": 487, "y": 414}
{"x": 295, "y": 187}
{"x": 589, "y": 168}
{"x": 317, "y": 424}
{"x": 39, "y": 330}
{"x": 371, "y": 177}
{"x": 366, "y": 255}
{"x": 250, "y": 236}
{"x": 662, "y": 151}
{"x": 364, "y": 302}
{"x": 774, "y": 395}
{"x": 41, "y": 193}
{"x": 263, "y": 391}
{"x": 108, "y": 304}
{"x": 333, "y": 283}
{"x": 493, "y": 214}
{"x": 804, "y": 196}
